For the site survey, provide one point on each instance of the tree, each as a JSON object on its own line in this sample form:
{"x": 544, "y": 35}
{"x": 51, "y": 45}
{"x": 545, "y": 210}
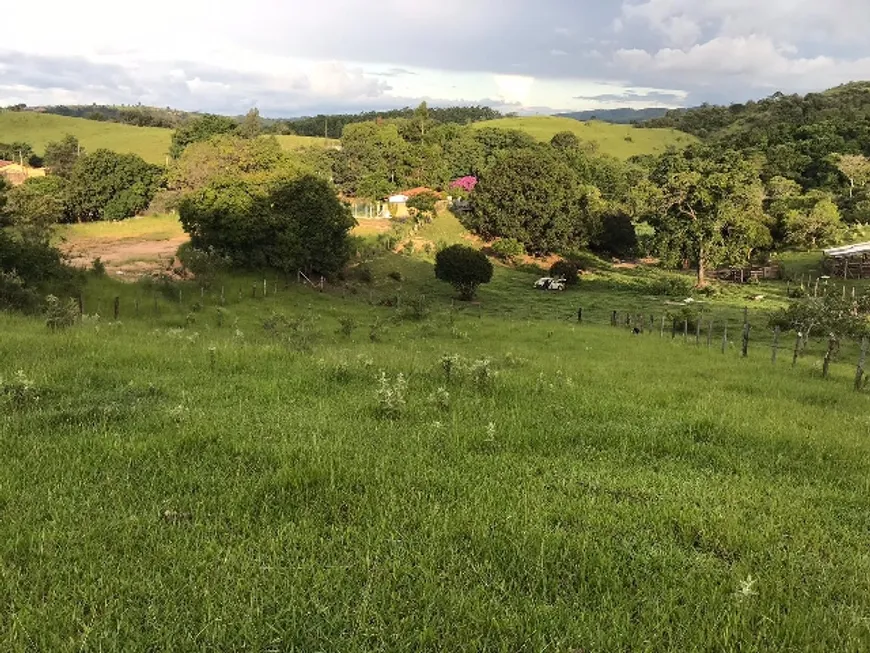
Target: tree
{"x": 712, "y": 209}
{"x": 229, "y": 156}
{"x": 4, "y": 192}
{"x": 855, "y": 167}
{"x": 36, "y": 206}
{"x": 60, "y": 156}
{"x": 565, "y": 140}
{"x": 424, "y": 202}
{"x": 199, "y": 129}
{"x": 534, "y": 197}
{"x": 20, "y": 152}
{"x": 818, "y": 227}
{"x": 465, "y": 268}
{"x": 102, "y": 176}
{"x": 291, "y": 225}
{"x": 421, "y": 118}
{"x": 250, "y": 126}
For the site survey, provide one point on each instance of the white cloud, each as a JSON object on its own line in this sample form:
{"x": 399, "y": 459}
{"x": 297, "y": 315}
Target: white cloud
{"x": 756, "y": 59}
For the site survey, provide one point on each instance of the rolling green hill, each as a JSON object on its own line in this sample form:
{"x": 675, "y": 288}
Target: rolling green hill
{"x": 151, "y": 143}
{"x": 622, "y": 141}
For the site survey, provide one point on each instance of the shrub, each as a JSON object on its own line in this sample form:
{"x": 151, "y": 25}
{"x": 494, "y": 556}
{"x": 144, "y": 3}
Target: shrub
{"x": 14, "y": 293}
{"x": 395, "y": 275}
{"x": 567, "y": 270}
{"x": 98, "y": 267}
{"x": 292, "y": 225}
{"x": 424, "y": 202}
{"x": 671, "y": 286}
{"x": 463, "y": 267}
{"x": 508, "y": 249}
{"x": 346, "y": 326}
{"x": 60, "y": 314}
{"x": 391, "y": 396}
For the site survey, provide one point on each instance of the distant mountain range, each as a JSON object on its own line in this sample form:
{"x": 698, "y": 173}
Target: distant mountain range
{"x": 617, "y": 116}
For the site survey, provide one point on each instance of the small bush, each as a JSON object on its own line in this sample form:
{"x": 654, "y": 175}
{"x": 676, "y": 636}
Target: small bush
{"x": 60, "y": 314}
{"x": 670, "y": 286}
{"x": 366, "y": 275}
{"x": 566, "y": 270}
{"x": 346, "y": 326}
{"x": 98, "y": 267}
{"x": 508, "y": 249}
{"x": 395, "y": 275}
{"x": 15, "y": 294}
{"x": 463, "y": 267}
{"x": 391, "y": 396}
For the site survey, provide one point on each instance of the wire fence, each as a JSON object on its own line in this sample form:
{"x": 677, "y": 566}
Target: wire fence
{"x": 751, "y": 336}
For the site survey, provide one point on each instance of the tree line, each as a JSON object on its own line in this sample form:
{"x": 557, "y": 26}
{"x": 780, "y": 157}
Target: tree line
{"x": 814, "y": 140}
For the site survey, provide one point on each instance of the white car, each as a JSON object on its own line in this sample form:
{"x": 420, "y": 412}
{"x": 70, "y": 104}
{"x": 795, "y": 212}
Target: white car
{"x": 549, "y": 283}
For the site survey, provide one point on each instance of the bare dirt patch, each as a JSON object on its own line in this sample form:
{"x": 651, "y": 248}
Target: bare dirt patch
{"x": 123, "y": 257}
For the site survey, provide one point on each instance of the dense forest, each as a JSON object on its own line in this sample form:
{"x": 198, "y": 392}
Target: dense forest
{"x": 329, "y": 125}
{"x": 332, "y": 126}
{"x": 816, "y": 140}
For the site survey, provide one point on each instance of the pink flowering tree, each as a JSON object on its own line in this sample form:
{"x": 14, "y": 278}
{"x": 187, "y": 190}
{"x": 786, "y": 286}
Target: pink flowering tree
{"x": 464, "y": 184}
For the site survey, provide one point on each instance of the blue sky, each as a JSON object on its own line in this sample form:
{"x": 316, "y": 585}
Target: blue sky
{"x": 293, "y": 57}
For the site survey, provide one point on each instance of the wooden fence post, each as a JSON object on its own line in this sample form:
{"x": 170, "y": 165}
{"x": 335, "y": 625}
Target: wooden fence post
{"x": 673, "y": 328}
{"x": 709, "y": 334}
{"x": 685, "y": 329}
{"x": 859, "y": 373}
{"x": 826, "y": 365}
{"x": 117, "y": 308}
{"x": 698, "y": 332}
{"x": 613, "y": 318}
{"x": 797, "y": 349}
{"x": 580, "y": 315}
{"x": 746, "y": 340}
{"x": 662, "y": 334}
{"x": 775, "y": 345}
{"x": 725, "y": 338}
{"x": 136, "y": 307}
{"x": 223, "y": 297}
{"x": 253, "y": 291}
{"x": 81, "y": 305}
{"x": 829, "y": 355}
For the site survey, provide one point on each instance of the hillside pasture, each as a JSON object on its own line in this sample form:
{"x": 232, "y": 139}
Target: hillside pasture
{"x": 621, "y": 141}
{"x": 151, "y": 143}
{"x": 207, "y": 477}
{"x": 38, "y": 129}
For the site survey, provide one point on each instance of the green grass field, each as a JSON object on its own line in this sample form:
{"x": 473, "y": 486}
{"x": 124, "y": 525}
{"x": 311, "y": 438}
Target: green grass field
{"x": 208, "y": 475}
{"x": 611, "y": 139}
{"x": 151, "y": 143}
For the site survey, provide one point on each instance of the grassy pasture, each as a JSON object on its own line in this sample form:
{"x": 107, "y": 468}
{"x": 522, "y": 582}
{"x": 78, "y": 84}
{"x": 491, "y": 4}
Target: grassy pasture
{"x": 38, "y": 129}
{"x": 151, "y": 143}
{"x": 200, "y": 476}
{"x": 622, "y": 141}
{"x": 192, "y": 482}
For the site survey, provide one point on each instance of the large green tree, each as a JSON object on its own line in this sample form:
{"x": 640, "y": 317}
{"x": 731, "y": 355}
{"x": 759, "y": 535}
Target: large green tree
{"x": 199, "y": 129}
{"x": 36, "y": 206}
{"x": 60, "y": 156}
{"x": 712, "y": 209}
{"x": 533, "y": 196}
{"x": 290, "y": 225}
{"x": 105, "y": 184}
{"x": 229, "y": 156}
{"x": 250, "y": 127}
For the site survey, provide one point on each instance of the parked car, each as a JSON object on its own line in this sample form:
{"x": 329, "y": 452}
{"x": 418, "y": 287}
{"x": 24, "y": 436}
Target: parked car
{"x": 550, "y": 283}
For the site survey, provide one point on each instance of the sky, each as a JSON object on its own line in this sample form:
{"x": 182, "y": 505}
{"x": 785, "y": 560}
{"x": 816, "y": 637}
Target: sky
{"x": 296, "y": 57}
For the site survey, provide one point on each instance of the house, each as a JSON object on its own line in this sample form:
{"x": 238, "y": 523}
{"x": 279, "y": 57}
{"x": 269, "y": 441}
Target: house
{"x": 17, "y": 174}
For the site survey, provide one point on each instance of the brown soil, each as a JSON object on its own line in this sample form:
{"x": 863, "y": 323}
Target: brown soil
{"x": 128, "y": 258}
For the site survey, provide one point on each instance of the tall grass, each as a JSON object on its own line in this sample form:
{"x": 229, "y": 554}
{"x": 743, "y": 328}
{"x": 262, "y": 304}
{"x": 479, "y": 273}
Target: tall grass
{"x": 227, "y": 479}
